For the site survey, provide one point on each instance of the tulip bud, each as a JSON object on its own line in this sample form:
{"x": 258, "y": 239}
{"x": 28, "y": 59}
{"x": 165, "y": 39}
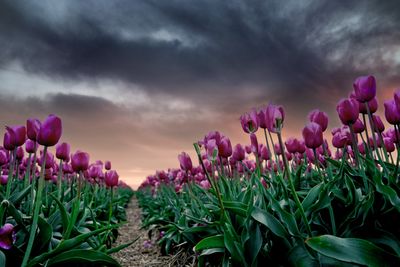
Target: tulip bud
{"x": 94, "y": 171}
{"x": 358, "y": 126}
{"x": 275, "y": 116}
{"x": 212, "y": 149}
{"x": 80, "y": 161}
{"x": 347, "y": 110}
{"x": 18, "y": 135}
{"x": 320, "y": 118}
{"x": 49, "y": 159}
{"x": 238, "y": 152}
{"x": 185, "y": 161}
{"x": 7, "y": 236}
{"x": 264, "y": 154}
{"x": 205, "y": 184}
{"x": 372, "y": 106}
{"x": 20, "y": 153}
{"x": 249, "y": 121}
{"x": 30, "y": 146}
{"x": 8, "y": 141}
{"x": 312, "y": 135}
{"x": 379, "y": 126}
{"x": 50, "y": 131}
{"x": 63, "y": 151}
{"x": 3, "y": 157}
{"x": 389, "y": 145}
{"x": 262, "y": 119}
{"x": 225, "y": 147}
{"x": 107, "y": 165}
{"x": 111, "y": 178}
{"x": 365, "y": 88}
{"x": 32, "y": 128}
{"x": 392, "y": 114}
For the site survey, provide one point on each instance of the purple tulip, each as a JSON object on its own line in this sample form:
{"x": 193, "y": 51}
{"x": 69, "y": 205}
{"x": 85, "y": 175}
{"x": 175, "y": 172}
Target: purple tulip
{"x": 20, "y": 153}
{"x": 379, "y": 126}
{"x": 249, "y": 121}
{"x": 225, "y": 147}
{"x": 292, "y": 144}
{"x": 347, "y": 110}
{"x": 358, "y": 126}
{"x": 275, "y": 116}
{"x": 390, "y": 147}
{"x": 372, "y": 105}
{"x": 263, "y": 153}
{"x": 30, "y": 146}
{"x": 32, "y": 128}
{"x": 339, "y": 140}
{"x": 185, "y": 161}
{"x": 254, "y": 143}
{"x": 238, "y": 152}
{"x": 312, "y": 134}
{"x": 205, "y": 184}
{"x": 18, "y": 135}
{"x": 107, "y": 165}
{"x": 320, "y": 118}
{"x": 7, "y": 236}
{"x": 365, "y": 88}
{"x": 80, "y": 161}
{"x": 262, "y": 119}
{"x": 212, "y": 149}
{"x": 63, "y": 151}
{"x": 111, "y": 178}
{"x": 94, "y": 171}
{"x": 50, "y": 131}
{"x": 3, "y": 157}
{"x": 392, "y": 114}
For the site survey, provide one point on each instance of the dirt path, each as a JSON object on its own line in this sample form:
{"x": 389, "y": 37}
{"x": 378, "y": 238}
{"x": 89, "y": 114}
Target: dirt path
{"x": 138, "y": 254}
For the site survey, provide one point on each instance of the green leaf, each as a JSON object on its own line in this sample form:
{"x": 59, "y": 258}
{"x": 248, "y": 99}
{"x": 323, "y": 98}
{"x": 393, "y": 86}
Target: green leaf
{"x": 267, "y": 219}
{"x": 63, "y": 213}
{"x": 237, "y": 208}
{"x": 387, "y": 191}
{"x": 45, "y": 234}
{"x": 352, "y": 250}
{"x": 2, "y": 259}
{"x": 216, "y": 241}
{"x": 82, "y": 256}
{"x": 18, "y": 196}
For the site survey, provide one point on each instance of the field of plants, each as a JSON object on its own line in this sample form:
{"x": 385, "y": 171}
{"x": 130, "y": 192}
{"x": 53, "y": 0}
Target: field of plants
{"x": 56, "y": 210}
{"x": 293, "y": 202}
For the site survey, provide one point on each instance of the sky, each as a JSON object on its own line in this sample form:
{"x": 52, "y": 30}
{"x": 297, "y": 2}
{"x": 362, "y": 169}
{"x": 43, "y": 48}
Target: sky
{"x": 137, "y": 82}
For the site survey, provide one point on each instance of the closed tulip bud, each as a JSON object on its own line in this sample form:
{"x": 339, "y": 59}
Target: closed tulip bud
{"x": 20, "y": 153}
{"x": 7, "y": 236}
{"x": 249, "y": 121}
{"x": 225, "y": 147}
{"x": 80, "y": 161}
{"x": 63, "y": 151}
{"x": 302, "y": 147}
{"x": 397, "y": 99}
{"x": 254, "y": 143}
{"x": 50, "y": 131}
{"x": 32, "y": 128}
{"x": 320, "y": 118}
{"x": 107, "y": 165}
{"x": 275, "y": 116}
{"x": 185, "y": 161}
{"x": 310, "y": 155}
{"x": 30, "y": 146}
{"x": 212, "y": 149}
{"x": 3, "y": 157}
{"x": 111, "y": 178}
{"x": 358, "y": 126}
{"x": 67, "y": 168}
{"x": 292, "y": 144}
{"x": 18, "y": 135}
{"x": 312, "y": 135}
{"x": 379, "y": 126}
{"x": 8, "y": 141}
{"x": 365, "y": 88}
{"x": 389, "y": 144}
{"x": 94, "y": 171}
{"x": 361, "y": 148}
{"x": 347, "y": 110}
{"x": 264, "y": 153}
{"x": 262, "y": 119}
{"x": 247, "y": 148}
{"x": 205, "y": 184}
{"x": 238, "y": 152}
{"x": 372, "y": 105}
{"x": 277, "y": 149}
{"x": 3, "y": 179}
{"x": 339, "y": 140}
{"x": 392, "y": 114}
{"x": 49, "y": 159}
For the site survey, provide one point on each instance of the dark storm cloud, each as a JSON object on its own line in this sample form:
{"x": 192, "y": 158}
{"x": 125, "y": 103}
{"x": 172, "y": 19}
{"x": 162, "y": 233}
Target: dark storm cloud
{"x": 219, "y": 47}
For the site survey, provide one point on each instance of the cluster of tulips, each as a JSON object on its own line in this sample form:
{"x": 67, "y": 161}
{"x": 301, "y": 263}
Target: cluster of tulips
{"x": 290, "y": 172}
{"x": 37, "y": 187}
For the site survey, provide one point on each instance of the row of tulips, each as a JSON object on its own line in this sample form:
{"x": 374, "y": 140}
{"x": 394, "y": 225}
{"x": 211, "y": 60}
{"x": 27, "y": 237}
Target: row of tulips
{"x": 291, "y": 202}
{"x": 58, "y": 209}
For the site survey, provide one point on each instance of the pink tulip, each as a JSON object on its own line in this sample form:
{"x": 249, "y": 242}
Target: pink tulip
{"x": 361, "y": 148}
{"x": 320, "y": 118}
{"x": 80, "y": 161}
{"x": 111, "y": 178}
{"x": 7, "y": 236}
{"x": 32, "y": 128}
{"x": 185, "y": 161}
{"x": 262, "y": 119}
{"x": 63, "y": 151}
{"x": 249, "y": 121}
{"x": 312, "y": 134}
{"x": 107, "y": 165}
{"x": 365, "y": 88}
{"x": 225, "y": 147}
{"x": 238, "y": 152}
{"x": 292, "y": 145}
{"x": 392, "y": 114}
{"x": 275, "y": 116}
{"x": 50, "y": 131}
{"x": 347, "y": 110}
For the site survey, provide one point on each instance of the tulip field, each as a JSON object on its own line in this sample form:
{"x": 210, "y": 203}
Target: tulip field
{"x": 57, "y": 210}
{"x": 330, "y": 198}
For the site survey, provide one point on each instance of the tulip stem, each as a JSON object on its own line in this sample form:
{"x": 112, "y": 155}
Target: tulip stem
{"x": 276, "y": 156}
{"x": 293, "y": 189}
{"x": 36, "y": 212}
{"x": 59, "y": 179}
{"x": 266, "y": 141}
{"x": 11, "y": 173}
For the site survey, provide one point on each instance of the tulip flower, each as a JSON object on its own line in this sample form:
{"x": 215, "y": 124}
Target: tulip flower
{"x": 372, "y": 105}
{"x": 111, "y": 178}
{"x": 262, "y": 119}
{"x": 107, "y": 165}
{"x": 32, "y": 128}
{"x": 389, "y": 145}
{"x": 225, "y": 147}
{"x": 238, "y": 152}
{"x": 264, "y": 153}
{"x": 212, "y": 149}
{"x": 18, "y": 135}
{"x": 339, "y": 140}
{"x": 94, "y": 171}
{"x": 392, "y": 113}
{"x": 63, "y": 151}
{"x": 320, "y": 118}
{"x": 185, "y": 161}
{"x": 7, "y": 236}
{"x": 249, "y": 121}
{"x": 80, "y": 161}
{"x": 30, "y": 146}
{"x": 3, "y": 157}
{"x": 8, "y": 142}
{"x": 365, "y": 88}
{"x": 20, "y": 153}
{"x": 347, "y": 110}
{"x": 292, "y": 145}
{"x": 379, "y": 126}
{"x": 50, "y": 131}
{"x": 205, "y": 184}
{"x": 275, "y": 116}
{"x": 49, "y": 159}
{"x": 3, "y": 179}
{"x": 358, "y": 126}
{"x": 312, "y": 134}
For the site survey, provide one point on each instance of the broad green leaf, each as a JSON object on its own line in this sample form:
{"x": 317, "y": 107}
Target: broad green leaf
{"x": 267, "y": 219}
{"x": 216, "y": 241}
{"x": 83, "y": 256}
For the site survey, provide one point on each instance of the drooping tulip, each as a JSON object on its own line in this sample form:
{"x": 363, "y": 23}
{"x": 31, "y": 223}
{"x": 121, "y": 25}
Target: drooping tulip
{"x": 320, "y": 118}
{"x": 312, "y": 134}
{"x": 249, "y": 121}
{"x": 32, "y": 128}
{"x": 80, "y": 161}
{"x": 225, "y": 147}
{"x": 347, "y": 110}
{"x": 63, "y": 151}
{"x": 50, "y": 131}
{"x": 238, "y": 152}
{"x": 275, "y": 116}
{"x": 111, "y": 178}
{"x": 365, "y": 88}
{"x": 185, "y": 161}
{"x": 392, "y": 114}
{"x": 18, "y": 134}
{"x": 7, "y": 236}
